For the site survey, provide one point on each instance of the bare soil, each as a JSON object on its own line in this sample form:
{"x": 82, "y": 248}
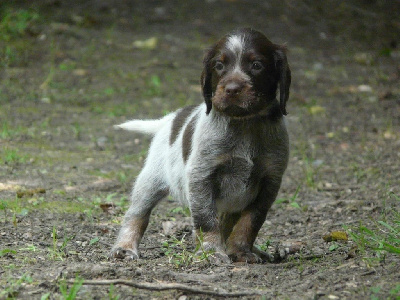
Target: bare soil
{"x": 65, "y": 174}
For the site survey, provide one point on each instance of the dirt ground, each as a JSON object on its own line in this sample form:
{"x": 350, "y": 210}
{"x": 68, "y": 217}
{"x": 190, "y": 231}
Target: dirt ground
{"x": 70, "y": 71}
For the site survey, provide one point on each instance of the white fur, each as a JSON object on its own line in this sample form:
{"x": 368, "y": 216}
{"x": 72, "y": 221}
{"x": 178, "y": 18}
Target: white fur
{"x": 236, "y": 44}
{"x": 165, "y": 168}
{"x": 146, "y": 126}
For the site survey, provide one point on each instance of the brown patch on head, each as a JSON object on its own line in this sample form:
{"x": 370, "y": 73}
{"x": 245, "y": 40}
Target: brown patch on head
{"x": 262, "y": 67}
{"x": 187, "y": 139}
{"x": 179, "y": 121}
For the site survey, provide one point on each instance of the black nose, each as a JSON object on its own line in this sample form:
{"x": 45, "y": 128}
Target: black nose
{"x": 233, "y": 88}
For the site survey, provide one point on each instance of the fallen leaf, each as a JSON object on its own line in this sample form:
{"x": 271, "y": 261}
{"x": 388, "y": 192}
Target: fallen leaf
{"x": 149, "y": 44}
{"x": 107, "y": 207}
{"x": 364, "y": 88}
{"x": 9, "y": 187}
{"x": 316, "y": 109}
{"x": 30, "y": 192}
{"x": 388, "y": 135}
{"x": 80, "y": 72}
{"x": 336, "y": 236}
{"x": 330, "y": 134}
{"x": 363, "y": 58}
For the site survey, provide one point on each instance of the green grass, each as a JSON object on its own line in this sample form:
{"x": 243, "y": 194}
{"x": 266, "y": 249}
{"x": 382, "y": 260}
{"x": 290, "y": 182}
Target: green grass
{"x": 13, "y": 285}
{"x": 70, "y": 294}
{"x": 181, "y": 210}
{"x": 292, "y": 201}
{"x": 11, "y": 156}
{"x": 16, "y": 23}
{"x": 377, "y": 293}
{"x": 58, "y": 252}
{"x": 112, "y": 293}
{"x": 311, "y": 168}
{"x": 17, "y": 205}
{"x": 382, "y": 237}
{"x": 180, "y": 256}
{"x": 5, "y": 132}
{"x": 153, "y": 87}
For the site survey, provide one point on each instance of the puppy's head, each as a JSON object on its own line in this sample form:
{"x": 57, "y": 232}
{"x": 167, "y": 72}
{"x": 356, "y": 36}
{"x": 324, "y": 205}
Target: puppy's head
{"x": 242, "y": 73}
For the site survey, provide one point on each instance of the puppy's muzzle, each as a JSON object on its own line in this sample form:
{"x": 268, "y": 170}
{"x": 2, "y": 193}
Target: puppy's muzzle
{"x": 235, "y": 97}
{"x": 234, "y": 88}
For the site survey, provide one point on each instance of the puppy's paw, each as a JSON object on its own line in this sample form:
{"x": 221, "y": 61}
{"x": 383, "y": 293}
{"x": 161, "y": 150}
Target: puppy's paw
{"x": 215, "y": 255}
{"x": 219, "y": 258}
{"x": 248, "y": 257}
{"x": 265, "y": 256}
{"x": 121, "y": 253}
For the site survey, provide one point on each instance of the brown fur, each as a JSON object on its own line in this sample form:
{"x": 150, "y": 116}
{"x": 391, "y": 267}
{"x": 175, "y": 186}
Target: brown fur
{"x": 187, "y": 139}
{"x": 179, "y": 121}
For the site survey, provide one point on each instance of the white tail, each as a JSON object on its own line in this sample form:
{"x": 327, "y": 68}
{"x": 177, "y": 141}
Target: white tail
{"x": 145, "y": 126}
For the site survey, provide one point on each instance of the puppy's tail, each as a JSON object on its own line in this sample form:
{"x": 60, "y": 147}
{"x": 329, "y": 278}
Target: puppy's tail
{"x": 145, "y": 126}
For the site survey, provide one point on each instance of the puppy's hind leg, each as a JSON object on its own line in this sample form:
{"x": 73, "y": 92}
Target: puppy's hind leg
{"x": 146, "y": 193}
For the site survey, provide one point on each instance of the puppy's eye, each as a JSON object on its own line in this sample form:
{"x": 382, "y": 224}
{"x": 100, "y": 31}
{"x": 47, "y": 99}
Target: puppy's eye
{"x": 219, "y": 66}
{"x": 256, "y": 66}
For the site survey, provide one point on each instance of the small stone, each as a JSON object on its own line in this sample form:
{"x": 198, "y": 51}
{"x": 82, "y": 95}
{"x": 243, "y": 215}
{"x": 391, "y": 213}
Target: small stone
{"x": 364, "y": 88}
{"x": 101, "y": 142}
{"x": 27, "y": 235}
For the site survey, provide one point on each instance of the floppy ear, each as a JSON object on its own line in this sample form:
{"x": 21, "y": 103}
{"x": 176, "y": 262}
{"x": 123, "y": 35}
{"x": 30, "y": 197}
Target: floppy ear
{"x": 285, "y": 77}
{"x": 207, "y": 88}
{"x": 206, "y": 79}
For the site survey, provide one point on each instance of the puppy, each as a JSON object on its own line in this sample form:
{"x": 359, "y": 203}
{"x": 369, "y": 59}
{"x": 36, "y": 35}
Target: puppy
{"x": 224, "y": 158}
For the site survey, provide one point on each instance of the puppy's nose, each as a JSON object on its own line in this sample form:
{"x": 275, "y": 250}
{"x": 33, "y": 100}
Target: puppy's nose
{"x": 233, "y": 88}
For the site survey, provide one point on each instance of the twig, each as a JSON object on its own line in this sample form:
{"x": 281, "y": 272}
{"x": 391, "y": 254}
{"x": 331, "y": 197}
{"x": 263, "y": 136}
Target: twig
{"x": 171, "y": 286}
{"x": 368, "y": 273}
{"x": 295, "y": 262}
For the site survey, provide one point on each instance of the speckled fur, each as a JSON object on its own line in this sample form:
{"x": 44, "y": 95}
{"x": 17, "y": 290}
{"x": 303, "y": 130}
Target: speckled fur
{"x": 225, "y": 158}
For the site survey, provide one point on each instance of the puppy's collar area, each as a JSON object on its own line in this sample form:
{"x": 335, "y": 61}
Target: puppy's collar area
{"x": 271, "y": 112}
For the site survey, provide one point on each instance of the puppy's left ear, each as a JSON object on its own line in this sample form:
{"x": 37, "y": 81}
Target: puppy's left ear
{"x": 206, "y": 79}
{"x": 207, "y": 88}
{"x": 285, "y": 77}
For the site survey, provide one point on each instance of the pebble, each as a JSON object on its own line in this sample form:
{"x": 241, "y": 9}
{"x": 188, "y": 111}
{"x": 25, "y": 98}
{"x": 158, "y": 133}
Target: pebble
{"x": 101, "y": 142}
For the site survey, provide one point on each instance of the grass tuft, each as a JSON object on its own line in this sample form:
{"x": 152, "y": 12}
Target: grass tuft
{"x": 16, "y": 23}
{"x": 180, "y": 256}
{"x": 381, "y": 238}
{"x": 73, "y": 291}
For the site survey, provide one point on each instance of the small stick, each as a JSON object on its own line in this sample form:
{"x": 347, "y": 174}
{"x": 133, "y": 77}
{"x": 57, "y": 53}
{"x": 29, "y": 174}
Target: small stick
{"x": 170, "y": 286}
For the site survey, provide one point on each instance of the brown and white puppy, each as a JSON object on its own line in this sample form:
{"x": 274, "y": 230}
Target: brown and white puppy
{"x": 225, "y": 158}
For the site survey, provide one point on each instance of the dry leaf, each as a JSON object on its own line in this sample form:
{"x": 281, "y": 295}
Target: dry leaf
{"x": 149, "y": 44}
{"x": 336, "y": 236}
{"x": 30, "y": 193}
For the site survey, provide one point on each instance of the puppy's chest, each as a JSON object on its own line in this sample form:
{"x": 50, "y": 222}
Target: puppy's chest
{"x": 237, "y": 179}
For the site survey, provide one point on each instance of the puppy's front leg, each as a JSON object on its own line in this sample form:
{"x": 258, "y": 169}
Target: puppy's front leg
{"x": 205, "y": 218}
{"x": 241, "y": 240}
